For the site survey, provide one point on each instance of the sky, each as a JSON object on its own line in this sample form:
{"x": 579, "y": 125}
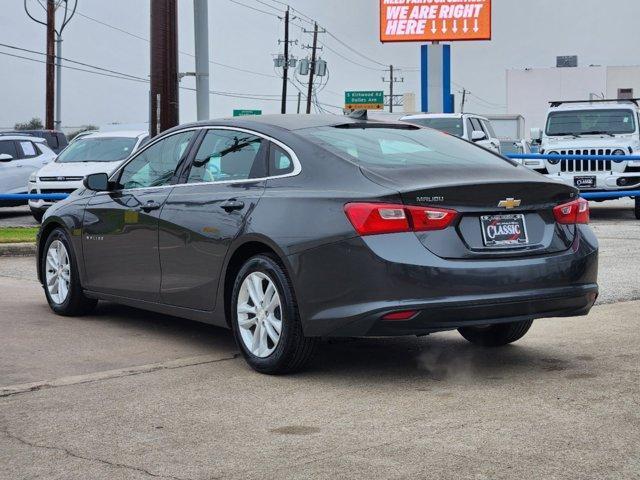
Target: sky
{"x": 526, "y": 33}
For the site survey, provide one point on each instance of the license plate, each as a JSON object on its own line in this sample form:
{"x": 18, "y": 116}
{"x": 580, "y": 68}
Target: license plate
{"x": 584, "y": 182}
{"x": 504, "y": 230}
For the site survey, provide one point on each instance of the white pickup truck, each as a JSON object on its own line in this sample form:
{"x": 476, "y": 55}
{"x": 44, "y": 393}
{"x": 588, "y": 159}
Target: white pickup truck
{"x": 596, "y": 127}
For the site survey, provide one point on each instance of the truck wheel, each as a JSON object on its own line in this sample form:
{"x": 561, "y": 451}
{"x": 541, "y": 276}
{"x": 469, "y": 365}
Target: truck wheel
{"x": 637, "y": 208}
{"x": 496, "y": 335}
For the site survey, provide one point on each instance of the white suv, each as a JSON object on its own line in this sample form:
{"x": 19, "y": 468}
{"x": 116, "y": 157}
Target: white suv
{"x": 471, "y": 127}
{"x": 20, "y": 156}
{"x": 94, "y": 153}
{"x": 597, "y": 127}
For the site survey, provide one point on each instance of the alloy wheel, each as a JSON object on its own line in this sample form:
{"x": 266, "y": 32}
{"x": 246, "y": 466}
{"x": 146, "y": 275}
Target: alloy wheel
{"x": 58, "y": 272}
{"x": 259, "y": 314}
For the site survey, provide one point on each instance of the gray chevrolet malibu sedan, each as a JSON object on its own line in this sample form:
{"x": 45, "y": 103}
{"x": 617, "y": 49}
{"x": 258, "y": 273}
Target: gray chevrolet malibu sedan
{"x": 290, "y": 228}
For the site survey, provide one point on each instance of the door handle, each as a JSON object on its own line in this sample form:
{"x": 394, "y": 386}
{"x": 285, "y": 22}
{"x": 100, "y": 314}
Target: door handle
{"x": 149, "y": 206}
{"x": 231, "y": 205}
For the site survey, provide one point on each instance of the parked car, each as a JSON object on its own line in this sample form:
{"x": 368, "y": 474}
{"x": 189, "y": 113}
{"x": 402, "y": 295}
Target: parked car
{"x": 56, "y": 140}
{"x": 97, "y": 152}
{"x": 287, "y": 228}
{"x": 592, "y": 127}
{"x": 471, "y": 127}
{"x": 20, "y": 156}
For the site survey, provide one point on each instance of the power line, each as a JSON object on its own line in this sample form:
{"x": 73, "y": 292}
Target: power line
{"x": 254, "y": 8}
{"x": 144, "y": 39}
{"x": 124, "y": 76}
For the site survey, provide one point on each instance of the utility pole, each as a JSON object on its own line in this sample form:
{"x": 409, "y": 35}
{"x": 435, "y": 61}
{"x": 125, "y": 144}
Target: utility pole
{"x": 285, "y": 69}
{"x": 51, "y": 31}
{"x": 201, "y": 31}
{"x": 312, "y": 69}
{"x": 391, "y": 81}
{"x": 164, "y": 66}
{"x": 54, "y": 60}
{"x": 299, "y": 100}
{"x": 464, "y": 97}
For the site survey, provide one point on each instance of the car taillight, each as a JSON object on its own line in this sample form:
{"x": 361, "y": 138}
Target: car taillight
{"x": 377, "y": 218}
{"x": 574, "y": 212}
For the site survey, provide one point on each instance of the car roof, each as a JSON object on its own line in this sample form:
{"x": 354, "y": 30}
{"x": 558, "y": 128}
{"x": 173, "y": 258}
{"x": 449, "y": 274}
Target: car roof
{"x": 442, "y": 115}
{"x": 613, "y": 105}
{"x": 117, "y": 134}
{"x": 291, "y": 122}
{"x": 26, "y": 138}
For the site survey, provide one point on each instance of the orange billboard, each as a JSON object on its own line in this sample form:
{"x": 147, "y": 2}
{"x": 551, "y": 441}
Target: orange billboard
{"x": 434, "y": 20}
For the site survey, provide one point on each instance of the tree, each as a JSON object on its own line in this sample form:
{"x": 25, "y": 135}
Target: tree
{"x": 34, "y": 124}
{"x": 83, "y": 128}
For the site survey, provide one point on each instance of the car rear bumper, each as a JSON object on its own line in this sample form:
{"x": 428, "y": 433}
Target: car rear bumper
{"x": 345, "y": 288}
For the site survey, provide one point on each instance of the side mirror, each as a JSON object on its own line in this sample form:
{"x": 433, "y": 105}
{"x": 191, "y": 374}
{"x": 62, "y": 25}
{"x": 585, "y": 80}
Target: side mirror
{"x": 477, "y": 135}
{"x": 5, "y": 157}
{"x": 98, "y": 182}
{"x": 536, "y": 134}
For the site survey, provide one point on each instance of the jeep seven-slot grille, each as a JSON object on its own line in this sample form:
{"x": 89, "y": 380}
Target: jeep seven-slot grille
{"x": 586, "y": 165}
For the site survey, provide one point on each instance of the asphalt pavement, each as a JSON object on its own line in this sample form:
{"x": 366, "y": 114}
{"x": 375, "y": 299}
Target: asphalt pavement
{"x": 126, "y": 394}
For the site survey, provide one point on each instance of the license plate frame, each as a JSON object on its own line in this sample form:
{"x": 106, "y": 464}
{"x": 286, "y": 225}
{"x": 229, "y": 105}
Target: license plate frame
{"x": 584, "y": 181}
{"x": 508, "y": 237}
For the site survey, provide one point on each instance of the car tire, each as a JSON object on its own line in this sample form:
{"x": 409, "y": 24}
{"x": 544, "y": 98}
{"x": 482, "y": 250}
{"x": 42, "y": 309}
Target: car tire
{"x": 68, "y": 301}
{"x": 37, "y": 215}
{"x": 255, "y": 326}
{"x": 496, "y": 335}
{"x": 637, "y": 208}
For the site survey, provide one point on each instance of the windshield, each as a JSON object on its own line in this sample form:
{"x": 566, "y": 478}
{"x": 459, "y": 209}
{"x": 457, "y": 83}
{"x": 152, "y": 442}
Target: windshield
{"x": 400, "y": 147}
{"x": 452, "y": 126}
{"x": 104, "y": 149}
{"x": 586, "y": 122}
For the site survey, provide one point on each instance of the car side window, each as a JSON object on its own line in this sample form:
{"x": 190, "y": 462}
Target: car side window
{"x": 280, "y": 162}
{"x": 157, "y": 164}
{"x": 28, "y": 149}
{"x": 477, "y": 125}
{"x": 9, "y": 147}
{"x": 226, "y": 155}
{"x": 488, "y": 128}
{"x": 470, "y": 128}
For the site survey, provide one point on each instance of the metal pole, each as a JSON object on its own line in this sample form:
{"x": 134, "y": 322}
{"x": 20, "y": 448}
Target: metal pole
{"x": 312, "y": 70}
{"x": 299, "y": 100}
{"x": 201, "y": 29}
{"x": 58, "y": 121}
{"x": 390, "y": 88}
{"x": 285, "y": 70}
{"x": 50, "y": 82}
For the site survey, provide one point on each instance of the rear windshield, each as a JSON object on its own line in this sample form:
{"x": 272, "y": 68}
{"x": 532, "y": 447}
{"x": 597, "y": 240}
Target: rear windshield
{"x": 400, "y": 147}
{"x": 591, "y": 122}
{"x": 452, "y": 126}
{"x": 104, "y": 149}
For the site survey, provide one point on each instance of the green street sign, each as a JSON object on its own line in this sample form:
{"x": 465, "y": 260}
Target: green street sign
{"x": 369, "y": 100}
{"x": 244, "y": 113}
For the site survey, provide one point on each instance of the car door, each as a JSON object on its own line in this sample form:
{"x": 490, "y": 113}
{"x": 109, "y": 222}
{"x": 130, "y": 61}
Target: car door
{"x": 31, "y": 158}
{"x": 203, "y": 215}
{"x": 11, "y": 175}
{"x": 120, "y": 227}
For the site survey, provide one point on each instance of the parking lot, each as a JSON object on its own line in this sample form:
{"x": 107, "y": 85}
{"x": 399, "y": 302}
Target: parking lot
{"x": 130, "y": 394}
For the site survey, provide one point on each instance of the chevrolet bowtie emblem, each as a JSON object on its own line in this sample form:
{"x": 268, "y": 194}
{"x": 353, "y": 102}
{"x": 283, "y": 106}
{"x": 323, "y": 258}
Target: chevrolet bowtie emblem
{"x": 509, "y": 203}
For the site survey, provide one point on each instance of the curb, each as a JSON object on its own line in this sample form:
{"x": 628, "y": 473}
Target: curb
{"x": 17, "y": 249}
